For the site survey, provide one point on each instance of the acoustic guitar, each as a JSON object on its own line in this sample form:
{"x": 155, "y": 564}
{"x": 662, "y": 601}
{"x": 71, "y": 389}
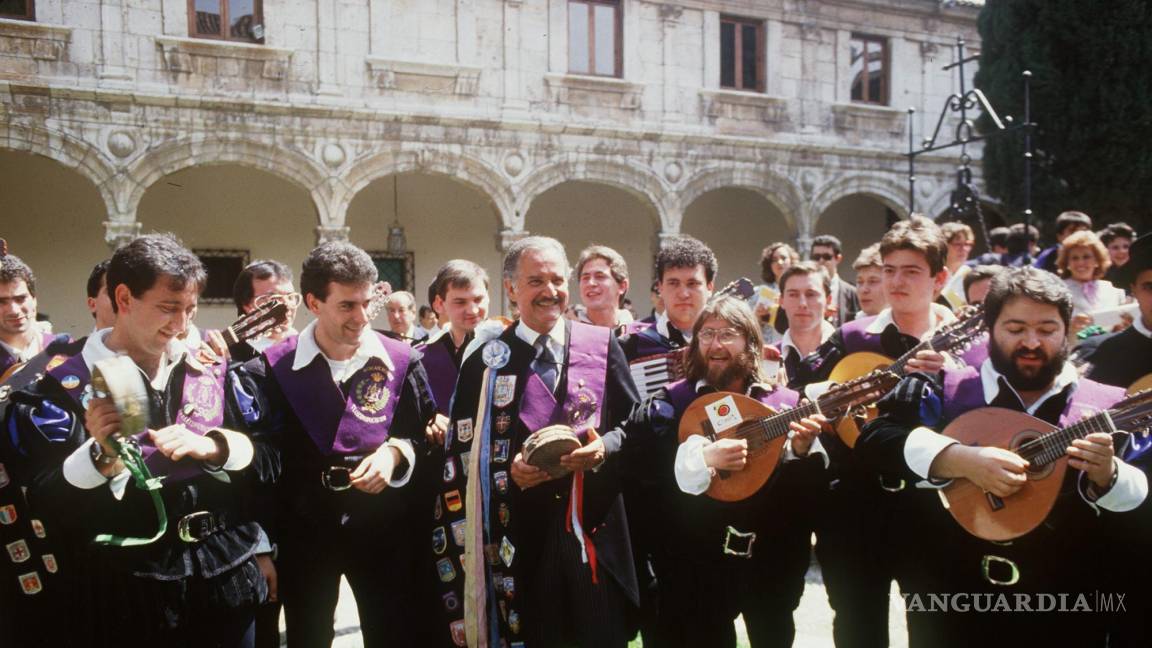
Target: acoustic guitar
{"x": 1142, "y": 383}
{"x": 987, "y": 516}
{"x": 953, "y": 337}
{"x": 725, "y": 415}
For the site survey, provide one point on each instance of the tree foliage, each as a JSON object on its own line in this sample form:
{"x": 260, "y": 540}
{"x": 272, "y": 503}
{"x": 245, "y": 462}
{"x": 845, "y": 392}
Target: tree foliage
{"x": 1091, "y": 65}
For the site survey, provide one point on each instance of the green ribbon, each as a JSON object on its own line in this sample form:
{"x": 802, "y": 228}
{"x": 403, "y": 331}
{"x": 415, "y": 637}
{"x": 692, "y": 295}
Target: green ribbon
{"x": 130, "y": 454}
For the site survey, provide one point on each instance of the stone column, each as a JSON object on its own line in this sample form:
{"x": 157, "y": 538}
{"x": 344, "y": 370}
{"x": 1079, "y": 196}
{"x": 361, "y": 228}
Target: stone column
{"x": 513, "y": 82}
{"x": 118, "y": 232}
{"x": 113, "y": 41}
{"x": 326, "y": 233}
{"x": 328, "y": 70}
{"x": 669, "y": 19}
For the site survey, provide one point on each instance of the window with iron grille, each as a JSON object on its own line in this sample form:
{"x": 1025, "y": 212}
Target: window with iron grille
{"x": 398, "y": 270}
{"x": 18, "y": 9}
{"x": 742, "y": 54}
{"x": 869, "y": 69}
{"x": 223, "y": 267}
{"x": 234, "y": 20}
{"x": 594, "y": 37}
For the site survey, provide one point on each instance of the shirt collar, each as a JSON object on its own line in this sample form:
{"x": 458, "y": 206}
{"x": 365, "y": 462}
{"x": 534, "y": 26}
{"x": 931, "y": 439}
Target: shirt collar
{"x": 95, "y": 349}
{"x": 991, "y": 380}
{"x": 662, "y": 324}
{"x": 34, "y": 347}
{"x": 826, "y": 331}
{"x": 765, "y": 387}
{"x": 370, "y": 347}
{"x": 556, "y": 337}
{"x": 1138, "y": 324}
{"x": 884, "y": 318}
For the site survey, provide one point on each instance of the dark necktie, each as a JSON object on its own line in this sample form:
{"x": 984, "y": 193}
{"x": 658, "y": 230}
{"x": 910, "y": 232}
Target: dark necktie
{"x": 545, "y": 363}
{"x": 677, "y": 338}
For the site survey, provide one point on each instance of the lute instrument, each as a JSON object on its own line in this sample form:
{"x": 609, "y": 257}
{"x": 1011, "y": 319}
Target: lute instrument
{"x": 952, "y": 337}
{"x": 726, "y": 415}
{"x": 990, "y": 517}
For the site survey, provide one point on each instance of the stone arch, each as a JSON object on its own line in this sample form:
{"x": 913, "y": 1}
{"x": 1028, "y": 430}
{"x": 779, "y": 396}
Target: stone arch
{"x": 468, "y": 170}
{"x": 887, "y": 190}
{"x": 70, "y": 151}
{"x": 286, "y": 163}
{"x": 776, "y": 189}
{"x": 640, "y": 182}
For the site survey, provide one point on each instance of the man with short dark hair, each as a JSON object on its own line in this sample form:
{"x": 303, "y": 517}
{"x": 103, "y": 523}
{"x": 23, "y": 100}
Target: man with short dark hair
{"x": 99, "y": 303}
{"x": 804, "y": 296}
{"x": 258, "y": 284}
{"x": 1027, "y": 312}
{"x": 844, "y": 302}
{"x": 198, "y": 583}
{"x": 1067, "y": 223}
{"x": 21, "y": 336}
{"x": 603, "y": 277}
{"x": 997, "y": 248}
{"x": 349, "y": 408}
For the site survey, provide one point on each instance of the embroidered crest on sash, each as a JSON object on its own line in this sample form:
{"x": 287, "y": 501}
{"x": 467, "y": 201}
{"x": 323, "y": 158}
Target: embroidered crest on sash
{"x": 202, "y": 398}
{"x": 504, "y": 391}
{"x": 7, "y": 514}
{"x": 464, "y": 429}
{"x": 370, "y": 396}
{"x": 30, "y": 583}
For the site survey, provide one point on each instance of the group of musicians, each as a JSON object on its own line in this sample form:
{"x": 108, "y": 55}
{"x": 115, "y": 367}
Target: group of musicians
{"x": 288, "y": 459}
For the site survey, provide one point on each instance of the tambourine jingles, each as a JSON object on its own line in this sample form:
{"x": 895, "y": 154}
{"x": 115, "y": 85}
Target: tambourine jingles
{"x": 544, "y": 447}
{"x": 120, "y": 380}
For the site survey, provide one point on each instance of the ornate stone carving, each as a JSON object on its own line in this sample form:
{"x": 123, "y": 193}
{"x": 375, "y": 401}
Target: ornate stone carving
{"x": 121, "y": 143}
{"x": 325, "y": 233}
{"x": 514, "y": 164}
{"x": 673, "y": 172}
{"x": 118, "y": 233}
{"x": 333, "y": 155}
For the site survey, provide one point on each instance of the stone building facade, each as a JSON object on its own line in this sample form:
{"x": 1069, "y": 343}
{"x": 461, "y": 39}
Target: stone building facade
{"x": 468, "y": 122}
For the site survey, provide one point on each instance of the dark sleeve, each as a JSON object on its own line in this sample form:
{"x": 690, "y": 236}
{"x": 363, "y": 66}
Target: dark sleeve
{"x": 256, "y": 407}
{"x": 653, "y": 434}
{"x": 819, "y": 364}
{"x": 415, "y": 410}
{"x": 622, "y": 397}
{"x": 913, "y": 403}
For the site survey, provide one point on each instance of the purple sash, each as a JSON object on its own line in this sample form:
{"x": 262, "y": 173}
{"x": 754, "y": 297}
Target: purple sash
{"x": 964, "y": 392}
{"x": 649, "y": 342}
{"x": 857, "y": 338}
{"x": 976, "y": 354}
{"x": 682, "y": 392}
{"x": 351, "y": 425}
{"x": 442, "y": 373}
{"x": 201, "y": 410}
{"x": 587, "y": 373}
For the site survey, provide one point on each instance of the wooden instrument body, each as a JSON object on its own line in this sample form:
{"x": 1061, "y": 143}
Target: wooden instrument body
{"x": 983, "y": 514}
{"x": 1142, "y": 383}
{"x": 762, "y": 460}
{"x": 850, "y": 367}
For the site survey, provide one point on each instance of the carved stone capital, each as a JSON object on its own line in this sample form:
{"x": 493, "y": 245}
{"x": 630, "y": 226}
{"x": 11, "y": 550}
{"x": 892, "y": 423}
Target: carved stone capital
{"x": 326, "y": 233}
{"x": 119, "y": 233}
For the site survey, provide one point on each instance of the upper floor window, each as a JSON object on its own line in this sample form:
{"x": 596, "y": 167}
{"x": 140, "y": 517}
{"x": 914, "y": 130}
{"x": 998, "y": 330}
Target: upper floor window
{"x": 869, "y": 57}
{"x": 594, "y": 37}
{"x": 18, "y": 9}
{"x": 741, "y": 54}
{"x": 235, "y": 20}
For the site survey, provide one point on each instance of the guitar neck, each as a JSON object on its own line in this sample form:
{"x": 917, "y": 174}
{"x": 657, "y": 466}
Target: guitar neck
{"x": 1052, "y": 446}
{"x": 777, "y": 425}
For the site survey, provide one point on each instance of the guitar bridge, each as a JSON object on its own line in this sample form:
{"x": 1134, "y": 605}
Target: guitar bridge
{"x": 995, "y": 502}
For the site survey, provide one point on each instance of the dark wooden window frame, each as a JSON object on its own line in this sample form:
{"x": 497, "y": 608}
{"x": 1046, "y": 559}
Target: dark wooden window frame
{"x": 738, "y": 72}
{"x": 618, "y": 64}
{"x": 29, "y": 13}
{"x": 258, "y": 16}
{"x": 245, "y": 257}
{"x": 871, "y": 41}
{"x": 409, "y": 259}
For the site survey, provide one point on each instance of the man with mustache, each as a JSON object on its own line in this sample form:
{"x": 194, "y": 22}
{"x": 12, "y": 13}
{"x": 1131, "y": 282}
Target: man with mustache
{"x": 854, "y": 558}
{"x": 716, "y": 560}
{"x": 548, "y": 558}
{"x": 1027, "y": 313}
{"x": 348, "y": 407}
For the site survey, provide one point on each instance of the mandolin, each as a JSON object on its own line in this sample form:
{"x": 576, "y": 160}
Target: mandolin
{"x": 987, "y": 516}
{"x": 726, "y": 415}
{"x": 953, "y": 337}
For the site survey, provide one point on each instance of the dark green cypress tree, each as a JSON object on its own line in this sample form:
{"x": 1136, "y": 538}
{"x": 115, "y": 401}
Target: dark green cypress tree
{"x": 1091, "y": 65}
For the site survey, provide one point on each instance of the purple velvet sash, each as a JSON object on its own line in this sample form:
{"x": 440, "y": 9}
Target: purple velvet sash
{"x": 587, "y": 373}
{"x": 442, "y": 373}
{"x": 351, "y": 425}
{"x": 201, "y": 410}
{"x": 857, "y": 338}
{"x": 976, "y": 354}
{"x": 649, "y": 342}
{"x": 682, "y": 392}
{"x": 7, "y": 359}
{"x": 964, "y": 392}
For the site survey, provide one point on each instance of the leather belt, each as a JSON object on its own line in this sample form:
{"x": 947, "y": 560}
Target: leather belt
{"x": 194, "y": 527}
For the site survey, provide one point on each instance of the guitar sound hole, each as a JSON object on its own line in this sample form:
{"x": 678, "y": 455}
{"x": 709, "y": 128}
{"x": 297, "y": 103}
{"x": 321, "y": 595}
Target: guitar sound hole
{"x": 1034, "y": 471}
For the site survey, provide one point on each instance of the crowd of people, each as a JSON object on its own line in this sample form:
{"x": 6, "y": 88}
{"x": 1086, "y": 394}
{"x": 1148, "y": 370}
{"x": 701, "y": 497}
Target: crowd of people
{"x": 408, "y": 460}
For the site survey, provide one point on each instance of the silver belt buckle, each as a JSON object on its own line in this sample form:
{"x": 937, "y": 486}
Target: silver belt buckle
{"x": 900, "y": 484}
{"x": 741, "y": 537}
{"x": 985, "y": 568}
{"x": 342, "y": 483}
{"x": 184, "y": 526}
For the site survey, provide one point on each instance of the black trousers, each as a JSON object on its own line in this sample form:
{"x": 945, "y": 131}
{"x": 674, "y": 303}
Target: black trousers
{"x": 379, "y": 570}
{"x": 563, "y": 607}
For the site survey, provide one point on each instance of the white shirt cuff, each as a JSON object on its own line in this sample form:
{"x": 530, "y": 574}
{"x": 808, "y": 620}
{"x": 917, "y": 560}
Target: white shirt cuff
{"x": 816, "y": 448}
{"x": 693, "y": 476}
{"x": 240, "y": 450}
{"x": 921, "y": 448}
{"x": 406, "y": 449}
{"x": 82, "y": 473}
{"x": 1129, "y": 491}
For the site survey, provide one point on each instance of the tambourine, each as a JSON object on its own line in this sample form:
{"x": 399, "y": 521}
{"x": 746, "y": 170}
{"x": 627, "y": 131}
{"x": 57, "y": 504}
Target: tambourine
{"x": 120, "y": 380}
{"x": 544, "y": 447}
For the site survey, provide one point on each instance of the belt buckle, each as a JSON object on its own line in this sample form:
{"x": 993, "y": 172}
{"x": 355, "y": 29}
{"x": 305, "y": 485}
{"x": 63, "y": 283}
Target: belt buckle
{"x": 184, "y": 526}
{"x": 986, "y": 564}
{"x": 337, "y": 478}
{"x": 900, "y": 484}
{"x": 733, "y": 549}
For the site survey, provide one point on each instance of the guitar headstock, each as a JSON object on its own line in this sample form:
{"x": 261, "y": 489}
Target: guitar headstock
{"x": 261, "y": 320}
{"x": 380, "y": 293}
{"x": 960, "y": 334}
{"x": 866, "y": 389}
{"x": 742, "y": 288}
{"x": 1133, "y": 413}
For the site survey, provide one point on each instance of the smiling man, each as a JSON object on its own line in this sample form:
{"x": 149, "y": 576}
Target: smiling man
{"x": 603, "y": 277}
{"x": 1027, "y": 312}
{"x": 550, "y": 558}
{"x": 199, "y": 583}
{"x": 20, "y": 335}
{"x": 349, "y": 407}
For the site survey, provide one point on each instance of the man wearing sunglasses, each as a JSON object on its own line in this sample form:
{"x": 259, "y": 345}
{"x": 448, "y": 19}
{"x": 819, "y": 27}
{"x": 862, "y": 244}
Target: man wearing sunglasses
{"x": 844, "y": 303}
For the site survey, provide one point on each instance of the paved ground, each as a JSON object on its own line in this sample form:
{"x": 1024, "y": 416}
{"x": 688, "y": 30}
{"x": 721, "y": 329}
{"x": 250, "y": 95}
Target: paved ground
{"x": 813, "y": 618}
